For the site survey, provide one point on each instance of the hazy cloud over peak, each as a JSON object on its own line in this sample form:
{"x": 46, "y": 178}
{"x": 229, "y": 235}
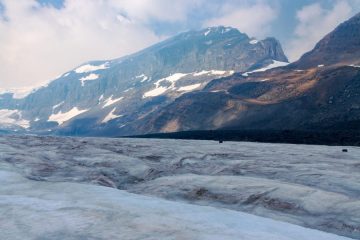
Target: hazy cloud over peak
{"x": 255, "y": 20}
{"x": 314, "y": 22}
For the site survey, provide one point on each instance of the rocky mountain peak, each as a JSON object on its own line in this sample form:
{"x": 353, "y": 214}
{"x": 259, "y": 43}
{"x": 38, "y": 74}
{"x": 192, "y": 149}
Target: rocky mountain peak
{"x": 212, "y": 32}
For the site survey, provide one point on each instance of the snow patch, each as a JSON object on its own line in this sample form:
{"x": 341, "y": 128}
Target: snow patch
{"x": 91, "y": 68}
{"x": 58, "y": 105}
{"x": 219, "y": 72}
{"x": 143, "y": 77}
{"x": 253, "y": 42}
{"x": 89, "y": 77}
{"x": 110, "y": 116}
{"x": 228, "y": 29}
{"x": 275, "y": 64}
{"x": 160, "y": 89}
{"x": 175, "y": 77}
{"x": 63, "y": 75}
{"x": 321, "y": 65}
{"x": 207, "y": 32}
{"x": 110, "y": 101}
{"x": 127, "y": 90}
{"x": 61, "y": 117}
{"x": 155, "y": 92}
{"x": 212, "y": 72}
{"x": 355, "y": 66}
{"x": 13, "y": 117}
{"x": 189, "y": 87}
{"x": 197, "y": 74}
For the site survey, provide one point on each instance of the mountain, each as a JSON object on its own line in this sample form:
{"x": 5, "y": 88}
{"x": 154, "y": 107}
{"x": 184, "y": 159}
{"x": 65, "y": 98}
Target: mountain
{"x": 106, "y": 97}
{"x": 320, "y": 92}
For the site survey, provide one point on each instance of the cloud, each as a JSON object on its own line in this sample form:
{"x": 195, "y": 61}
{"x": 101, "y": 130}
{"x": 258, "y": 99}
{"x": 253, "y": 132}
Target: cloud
{"x": 255, "y": 20}
{"x": 162, "y": 10}
{"x": 39, "y": 42}
{"x": 314, "y": 22}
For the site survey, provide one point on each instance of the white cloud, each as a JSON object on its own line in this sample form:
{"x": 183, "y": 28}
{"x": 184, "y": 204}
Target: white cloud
{"x": 314, "y": 22}
{"x": 255, "y": 20}
{"x": 163, "y": 10}
{"x": 38, "y": 43}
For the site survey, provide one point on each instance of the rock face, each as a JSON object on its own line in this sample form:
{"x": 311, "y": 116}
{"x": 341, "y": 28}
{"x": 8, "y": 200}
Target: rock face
{"x": 102, "y": 95}
{"x": 299, "y": 184}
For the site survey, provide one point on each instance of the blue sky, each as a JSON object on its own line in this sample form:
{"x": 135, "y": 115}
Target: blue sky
{"x": 55, "y": 3}
{"x": 41, "y": 39}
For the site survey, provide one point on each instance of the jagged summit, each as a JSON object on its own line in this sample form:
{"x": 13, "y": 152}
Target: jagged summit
{"x": 211, "y": 32}
{"x": 220, "y": 30}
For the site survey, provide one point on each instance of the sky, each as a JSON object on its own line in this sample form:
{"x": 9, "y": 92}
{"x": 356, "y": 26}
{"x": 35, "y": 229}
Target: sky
{"x": 41, "y": 39}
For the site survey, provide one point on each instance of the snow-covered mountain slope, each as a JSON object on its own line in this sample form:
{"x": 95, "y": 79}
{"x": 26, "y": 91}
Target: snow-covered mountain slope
{"x": 136, "y": 85}
{"x": 298, "y": 184}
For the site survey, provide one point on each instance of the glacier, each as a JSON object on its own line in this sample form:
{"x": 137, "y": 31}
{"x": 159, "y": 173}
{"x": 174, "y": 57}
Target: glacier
{"x": 78, "y": 185}
{"x": 43, "y": 210}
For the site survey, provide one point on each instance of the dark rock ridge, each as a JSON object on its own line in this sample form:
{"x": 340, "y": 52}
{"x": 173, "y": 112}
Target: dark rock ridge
{"x": 326, "y": 99}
